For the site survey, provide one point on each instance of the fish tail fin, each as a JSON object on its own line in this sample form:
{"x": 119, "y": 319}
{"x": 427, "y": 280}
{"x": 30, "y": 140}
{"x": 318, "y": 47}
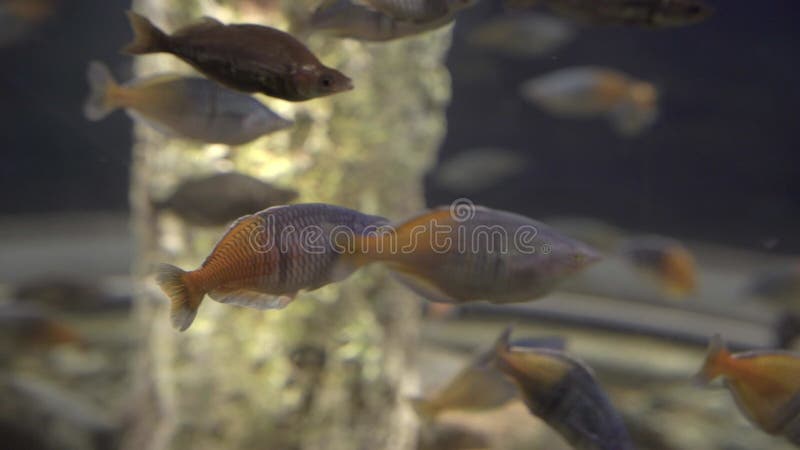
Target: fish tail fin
{"x": 147, "y": 37}
{"x": 99, "y": 104}
{"x": 715, "y": 358}
{"x": 425, "y": 409}
{"x": 183, "y": 297}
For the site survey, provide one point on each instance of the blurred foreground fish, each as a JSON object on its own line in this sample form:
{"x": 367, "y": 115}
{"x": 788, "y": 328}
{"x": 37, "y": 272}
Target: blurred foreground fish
{"x": 19, "y": 17}
{"x": 643, "y": 13}
{"x": 667, "y": 260}
{"x": 412, "y": 10}
{"x": 248, "y": 58}
{"x": 479, "y": 386}
{"x": 563, "y": 392}
{"x": 466, "y": 253}
{"x": 764, "y": 383}
{"x": 779, "y": 286}
{"x": 478, "y": 169}
{"x": 23, "y": 329}
{"x": 265, "y": 259}
{"x": 522, "y": 35}
{"x": 191, "y": 107}
{"x": 347, "y": 19}
{"x": 630, "y": 105}
{"x": 222, "y": 198}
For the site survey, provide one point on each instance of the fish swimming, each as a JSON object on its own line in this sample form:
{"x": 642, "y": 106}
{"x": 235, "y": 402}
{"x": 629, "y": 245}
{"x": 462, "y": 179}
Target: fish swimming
{"x": 191, "y": 107}
{"x": 563, "y": 392}
{"x": 245, "y": 57}
{"x": 467, "y": 253}
{"x": 265, "y": 259}
{"x": 68, "y": 293}
{"x": 667, "y": 260}
{"x": 221, "y": 198}
{"x": 764, "y": 383}
{"x": 412, "y": 10}
{"x": 479, "y": 386}
{"x": 642, "y": 13}
{"x": 580, "y": 92}
{"x": 477, "y": 169}
{"x": 346, "y": 19}
{"x": 24, "y": 328}
{"x": 522, "y": 35}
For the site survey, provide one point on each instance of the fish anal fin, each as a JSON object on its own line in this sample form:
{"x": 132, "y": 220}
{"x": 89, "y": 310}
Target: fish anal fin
{"x": 247, "y": 298}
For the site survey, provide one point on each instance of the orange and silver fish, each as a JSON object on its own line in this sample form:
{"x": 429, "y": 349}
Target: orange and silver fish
{"x": 457, "y": 255}
{"x": 265, "y": 259}
{"x": 191, "y": 107}
{"x": 563, "y": 392}
{"x": 245, "y": 57}
{"x": 666, "y": 260}
{"x": 764, "y": 383}
{"x": 221, "y": 198}
{"x": 642, "y": 13}
{"x": 630, "y": 105}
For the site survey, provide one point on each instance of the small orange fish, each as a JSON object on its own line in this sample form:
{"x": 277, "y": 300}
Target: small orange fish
{"x": 764, "y": 383}
{"x": 248, "y": 58}
{"x": 23, "y": 328}
{"x": 265, "y": 259}
{"x": 563, "y": 392}
{"x": 667, "y": 260}
{"x": 485, "y": 254}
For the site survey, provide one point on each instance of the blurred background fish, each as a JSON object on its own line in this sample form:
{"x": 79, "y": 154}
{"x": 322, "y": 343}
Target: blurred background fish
{"x": 27, "y": 328}
{"x": 350, "y": 19}
{"x": 643, "y": 13}
{"x": 193, "y": 108}
{"x": 477, "y": 169}
{"x": 413, "y": 10}
{"x": 666, "y": 260}
{"x": 779, "y": 286}
{"x": 219, "y": 199}
{"x": 19, "y": 18}
{"x": 522, "y": 35}
{"x": 764, "y": 383}
{"x": 630, "y": 105}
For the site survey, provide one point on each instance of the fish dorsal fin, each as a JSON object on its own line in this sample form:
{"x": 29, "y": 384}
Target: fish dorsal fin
{"x": 205, "y": 23}
{"x": 423, "y": 287}
{"x": 251, "y": 299}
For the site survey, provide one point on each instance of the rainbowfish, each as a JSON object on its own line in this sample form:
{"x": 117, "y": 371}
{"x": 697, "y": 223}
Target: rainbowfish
{"x": 466, "y": 253}
{"x": 522, "y": 35}
{"x": 265, "y": 259}
{"x": 630, "y": 105}
{"x": 643, "y": 13}
{"x": 669, "y": 261}
{"x": 24, "y": 328}
{"x": 764, "y": 383}
{"x": 411, "y": 10}
{"x": 479, "y": 386}
{"x": 191, "y": 107}
{"x": 346, "y": 19}
{"x": 221, "y": 198}
{"x": 563, "y": 392}
{"x": 245, "y": 57}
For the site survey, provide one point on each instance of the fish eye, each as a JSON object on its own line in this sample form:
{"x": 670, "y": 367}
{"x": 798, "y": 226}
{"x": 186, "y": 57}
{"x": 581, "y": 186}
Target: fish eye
{"x": 326, "y": 81}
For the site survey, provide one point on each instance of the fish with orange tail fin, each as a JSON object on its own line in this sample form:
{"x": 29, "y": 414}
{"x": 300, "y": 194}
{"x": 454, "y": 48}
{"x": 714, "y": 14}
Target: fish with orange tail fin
{"x": 563, "y": 392}
{"x": 666, "y": 260}
{"x": 764, "y": 383}
{"x": 469, "y": 253}
{"x": 245, "y": 57}
{"x": 265, "y": 259}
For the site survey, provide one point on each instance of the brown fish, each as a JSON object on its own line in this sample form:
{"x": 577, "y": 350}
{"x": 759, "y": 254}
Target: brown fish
{"x": 245, "y": 57}
{"x": 765, "y": 385}
{"x": 24, "y": 329}
{"x": 467, "y": 253}
{"x": 563, "y": 392}
{"x": 643, "y": 13}
{"x": 265, "y": 259}
{"x": 221, "y": 198}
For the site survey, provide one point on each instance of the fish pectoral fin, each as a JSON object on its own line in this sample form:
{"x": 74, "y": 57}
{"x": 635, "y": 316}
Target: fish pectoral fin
{"x": 423, "y": 287}
{"x": 252, "y": 299}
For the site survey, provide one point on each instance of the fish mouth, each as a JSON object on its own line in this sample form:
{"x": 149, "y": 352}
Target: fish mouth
{"x": 348, "y": 85}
